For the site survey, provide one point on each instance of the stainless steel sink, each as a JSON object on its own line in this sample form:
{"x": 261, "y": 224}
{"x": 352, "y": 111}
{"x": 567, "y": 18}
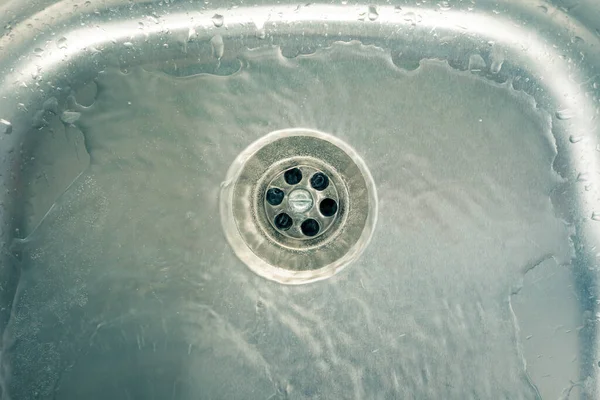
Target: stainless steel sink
{"x": 129, "y": 272}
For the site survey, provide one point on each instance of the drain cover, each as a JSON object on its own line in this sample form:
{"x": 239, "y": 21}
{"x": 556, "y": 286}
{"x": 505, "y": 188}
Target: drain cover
{"x": 298, "y": 205}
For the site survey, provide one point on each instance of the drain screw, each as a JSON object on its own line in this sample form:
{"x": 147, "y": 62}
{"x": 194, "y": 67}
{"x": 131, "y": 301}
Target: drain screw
{"x": 300, "y": 201}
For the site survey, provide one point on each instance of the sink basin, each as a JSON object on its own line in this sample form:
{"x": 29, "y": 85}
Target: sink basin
{"x": 474, "y": 126}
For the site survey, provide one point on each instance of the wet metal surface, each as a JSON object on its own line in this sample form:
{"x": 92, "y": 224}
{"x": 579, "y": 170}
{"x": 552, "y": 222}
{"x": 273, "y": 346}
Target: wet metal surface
{"x": 478, "y": 122}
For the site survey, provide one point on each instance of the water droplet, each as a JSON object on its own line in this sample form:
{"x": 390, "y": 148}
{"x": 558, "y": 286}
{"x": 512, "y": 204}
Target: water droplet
{"x": 218, "y": 20}
{"x": 476, "y": 63}
{"x": 583, "y": 177}
{"x": 218, "y": 47}
{"x": 5, "y": 127}
{"x": 496, "y": 65}
{"x": 577, "y": 40}
{"x": 588, "y": 187}
{"x": 596, "y": 216}
{"x": 70, "y": 117}
{"x": 412, "y": 17}
{"x": 444, "y": 6}
{"x": 543, "y": 9}
{"x": 261, "y": 33}
{"x": 397, "y": 9}
{"x": 565, "y": 114}
{"x": 62, "y": 43}
{"x": 575, "y": 138}
{"x": 373, "y": 14}
{"x": 191, "y": 34}
{"x": 38, "y": 51}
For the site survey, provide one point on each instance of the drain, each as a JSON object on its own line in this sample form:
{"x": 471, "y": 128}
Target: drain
{"x": 298, "y": 205}
{"x": 299, "y": 198}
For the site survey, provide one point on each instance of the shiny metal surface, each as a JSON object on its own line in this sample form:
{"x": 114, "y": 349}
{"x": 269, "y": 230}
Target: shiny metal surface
{"x": 478, "y": 121}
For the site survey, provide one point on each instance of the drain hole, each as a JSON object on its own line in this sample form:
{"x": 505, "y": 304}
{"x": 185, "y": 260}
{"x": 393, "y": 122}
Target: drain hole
{"x": 319, "y": 181}
{"x": 283, "y": 221}
{"x": 310, "y": 227}
{"x": 328, "y": 207}
{"x": 275, "y": 196}
{"x": 293, "y": 176}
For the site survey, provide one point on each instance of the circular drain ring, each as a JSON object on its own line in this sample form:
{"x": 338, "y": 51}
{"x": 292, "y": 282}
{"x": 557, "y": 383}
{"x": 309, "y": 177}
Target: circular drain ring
{"x": 267, "y": 252}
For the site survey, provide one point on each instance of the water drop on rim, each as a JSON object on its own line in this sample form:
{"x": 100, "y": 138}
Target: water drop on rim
{"x": 596, "y": 216}
{"x": 565, "y": 114}
{"x": 575, "y": 138}
{"x": 496, "y": 66}
{"x": 412, "y": 18}
{"x": 373, "y": 14}
{"x": 577, "y": 40}
{"x": 5, "y": 127}
{"x": 444, "y": 6}
{"x": 583, "y": 177}
{"x": 476, "y": 63}
{"x": 218, "y": 47}
{"x": 62, "y": 43}
{"x": 218, "y": 20}
{"x": 191, "y": 34}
